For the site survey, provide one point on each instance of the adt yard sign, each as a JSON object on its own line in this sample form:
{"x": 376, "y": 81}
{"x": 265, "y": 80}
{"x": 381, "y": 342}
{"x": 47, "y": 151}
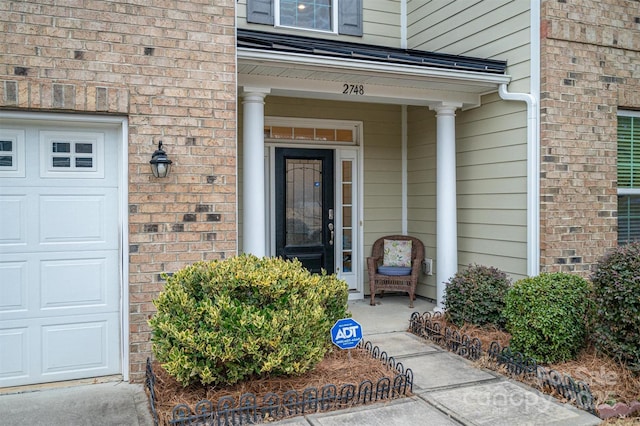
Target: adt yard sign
{"x": 346, "y": 333}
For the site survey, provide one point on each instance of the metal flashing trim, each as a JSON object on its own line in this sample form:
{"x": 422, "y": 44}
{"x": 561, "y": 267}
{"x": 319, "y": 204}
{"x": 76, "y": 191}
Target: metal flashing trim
{"x": 274, "y": 42}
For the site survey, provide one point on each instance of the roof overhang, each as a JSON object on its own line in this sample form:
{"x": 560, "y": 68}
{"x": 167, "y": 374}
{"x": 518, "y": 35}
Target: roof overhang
{"x": 318, "y": 76}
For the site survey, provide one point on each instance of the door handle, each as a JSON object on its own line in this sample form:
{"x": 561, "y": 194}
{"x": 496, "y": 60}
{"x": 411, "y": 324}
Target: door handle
{"x": 330, "y": 226}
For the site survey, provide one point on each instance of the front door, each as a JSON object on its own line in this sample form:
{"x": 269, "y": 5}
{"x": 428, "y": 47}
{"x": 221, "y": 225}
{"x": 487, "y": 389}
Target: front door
{"x": 305, "y": 213}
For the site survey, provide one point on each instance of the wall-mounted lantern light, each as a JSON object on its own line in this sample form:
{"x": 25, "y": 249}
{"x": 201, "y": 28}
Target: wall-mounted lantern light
{"x": 160, "y": 164}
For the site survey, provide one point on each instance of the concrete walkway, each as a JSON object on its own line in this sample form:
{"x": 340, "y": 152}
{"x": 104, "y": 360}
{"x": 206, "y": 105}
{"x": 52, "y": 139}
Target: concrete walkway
{"x": 448, "y": 389}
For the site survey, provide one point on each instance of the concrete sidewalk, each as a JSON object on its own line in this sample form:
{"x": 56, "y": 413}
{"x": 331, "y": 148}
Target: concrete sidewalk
{"x": 100, "y": 404}
{"x": 448, "y": 390}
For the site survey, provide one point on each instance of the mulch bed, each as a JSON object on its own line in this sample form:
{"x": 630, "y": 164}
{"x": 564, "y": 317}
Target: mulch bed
{"x": 338, "y": 367}
{"x": 610, "y": 382}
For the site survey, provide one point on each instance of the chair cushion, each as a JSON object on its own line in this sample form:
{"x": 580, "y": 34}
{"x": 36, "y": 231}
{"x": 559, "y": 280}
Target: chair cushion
{"x": 397, "y": 253}
{"x": 394, "y": 270}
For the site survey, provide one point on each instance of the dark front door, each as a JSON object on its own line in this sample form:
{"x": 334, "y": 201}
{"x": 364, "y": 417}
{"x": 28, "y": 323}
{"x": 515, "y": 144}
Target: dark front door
{"x": 304, "y": 207}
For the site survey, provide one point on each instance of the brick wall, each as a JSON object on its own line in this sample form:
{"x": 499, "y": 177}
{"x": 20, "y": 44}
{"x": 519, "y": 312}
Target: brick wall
{"x": 167, "y": 65}
{"x": 589, "y": 68}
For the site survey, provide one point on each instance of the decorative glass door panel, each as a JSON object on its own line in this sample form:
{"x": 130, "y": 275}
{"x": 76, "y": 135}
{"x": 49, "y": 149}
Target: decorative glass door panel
{"x": 303, "y": 209}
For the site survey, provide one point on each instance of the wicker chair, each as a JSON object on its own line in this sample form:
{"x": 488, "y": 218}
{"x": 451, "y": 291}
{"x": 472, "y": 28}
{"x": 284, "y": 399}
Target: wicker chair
{"x": 379, "y": 282}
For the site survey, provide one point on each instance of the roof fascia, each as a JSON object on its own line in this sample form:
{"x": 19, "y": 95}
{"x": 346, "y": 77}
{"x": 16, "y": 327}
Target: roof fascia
{"x": 358, "y": 65}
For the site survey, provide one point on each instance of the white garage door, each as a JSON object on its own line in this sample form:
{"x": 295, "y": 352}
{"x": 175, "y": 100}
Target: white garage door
{"x": 59, "y": 267}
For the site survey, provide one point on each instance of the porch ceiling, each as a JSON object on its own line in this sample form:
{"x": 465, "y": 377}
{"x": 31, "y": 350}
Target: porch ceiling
{"x": 321, "y": 69}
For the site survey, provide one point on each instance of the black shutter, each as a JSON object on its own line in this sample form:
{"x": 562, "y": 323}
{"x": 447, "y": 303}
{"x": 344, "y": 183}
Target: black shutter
{"x": 350, "y": 17}
{"x": 260, "y": 11}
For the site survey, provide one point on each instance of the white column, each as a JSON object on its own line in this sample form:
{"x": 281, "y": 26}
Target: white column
{"x": 253, "y": 191}
{"x": 446, "y": 216}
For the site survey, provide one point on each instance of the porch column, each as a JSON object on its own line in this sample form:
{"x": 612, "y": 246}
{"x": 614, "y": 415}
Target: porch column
{"x": 446, "y": 216}
{"x": 253, "y": 191}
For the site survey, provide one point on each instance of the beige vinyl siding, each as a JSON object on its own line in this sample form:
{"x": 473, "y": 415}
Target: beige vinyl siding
{"x": 490, "y": 140}
{"x": 381, "y": 24}
{"x": 492, "y": 186}
{"x": 421, "y": 187}
{"x": 492, "y": 29}
{"x": 382, "y": 157}
{"x": 464, "y": 27}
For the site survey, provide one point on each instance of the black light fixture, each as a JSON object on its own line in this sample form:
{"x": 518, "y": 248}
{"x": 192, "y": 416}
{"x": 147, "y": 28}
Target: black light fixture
{"x": 160, "y": 164}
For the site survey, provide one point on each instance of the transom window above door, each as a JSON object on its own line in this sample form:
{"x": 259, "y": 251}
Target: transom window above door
{"x": 295, "y": 130}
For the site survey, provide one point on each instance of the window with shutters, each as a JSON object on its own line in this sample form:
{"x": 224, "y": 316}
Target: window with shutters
{"x": 334, "y": 16}
{"x": 309, "y": 14}
{"x": 628, "y": 176}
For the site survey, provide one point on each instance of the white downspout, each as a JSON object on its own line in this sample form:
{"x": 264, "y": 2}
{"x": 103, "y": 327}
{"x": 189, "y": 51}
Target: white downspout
{"x": 533, "y": 142}
{"x": 533, "y": 176}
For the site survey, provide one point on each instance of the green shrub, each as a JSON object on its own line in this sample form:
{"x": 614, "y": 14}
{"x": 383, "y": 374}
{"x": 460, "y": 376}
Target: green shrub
{"x": 225, "y": 321}
{"x": 476, "y": 295}
{"x": 617, "y": 304}
{"x": 547, "y": 316}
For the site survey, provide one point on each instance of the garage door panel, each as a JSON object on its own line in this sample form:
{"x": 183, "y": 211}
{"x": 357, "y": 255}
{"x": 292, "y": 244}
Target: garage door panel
{"x": 72, "y": 219}
{"x": 13, "y": 286}
{"x": 73, "y": 283}
{"x": 70, "y": 348}
{"x": 58, "y": 284}
{"x": 75, "y": 347}
{"x": 14, "y": 356}
{"x": 13, "y": 218}
{"x": 42, "y": 219}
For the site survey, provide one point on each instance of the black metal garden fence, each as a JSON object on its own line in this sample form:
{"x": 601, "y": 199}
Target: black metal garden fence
{"x": 249, "y": 409}
{"x": 429, "y": 326}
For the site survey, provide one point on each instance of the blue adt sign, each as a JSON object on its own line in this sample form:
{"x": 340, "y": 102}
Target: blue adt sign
{"x": 346, "y": 333}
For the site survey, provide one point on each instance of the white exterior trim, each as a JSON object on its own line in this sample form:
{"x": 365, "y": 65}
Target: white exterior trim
{"x": 628, "y": 113}
{"x": 124, "y": 240}
{"x": 404, "y": 141}
{"x": 357, "y": 65}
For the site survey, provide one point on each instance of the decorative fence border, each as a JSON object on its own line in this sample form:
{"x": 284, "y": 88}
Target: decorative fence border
{"x": 247, "y": 410}
{"x": 429, "y": 326}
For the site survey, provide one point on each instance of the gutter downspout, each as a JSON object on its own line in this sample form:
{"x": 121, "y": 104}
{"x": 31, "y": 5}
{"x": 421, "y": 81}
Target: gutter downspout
{"x": 533, "y": 177}
{"x": 533, "y": 140}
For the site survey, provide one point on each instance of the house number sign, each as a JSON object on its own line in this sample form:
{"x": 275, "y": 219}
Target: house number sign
{"x": 353, "y": 89}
